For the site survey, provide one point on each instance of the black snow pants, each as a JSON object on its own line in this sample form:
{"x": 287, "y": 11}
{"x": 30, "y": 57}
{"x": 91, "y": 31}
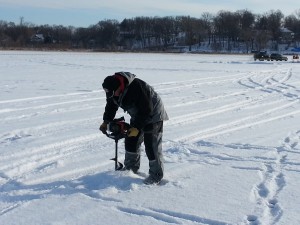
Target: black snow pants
{"x": 151, "y": 135}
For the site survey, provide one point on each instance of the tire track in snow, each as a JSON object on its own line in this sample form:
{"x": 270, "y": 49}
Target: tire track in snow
{"x": 45, "y": 129}
{"x": 46, "y": 97}
{"x": 190, "y": 117}
{"x": 188, "y": 217}
{"x": 31, "y": 158}
{"x": 43, "y": 106}
{"x": 239, "y": 124}
{"x": 9, "y": 208}
{"x": 191, "y": 83}
{"x": 247, "y": 121}
{"x": 167, "y": 216}
{"x": 239, "y": 80}
{"x": 268, "y": 82}
{"x": 210, "y": 99}
{"x": 179, "y": 85}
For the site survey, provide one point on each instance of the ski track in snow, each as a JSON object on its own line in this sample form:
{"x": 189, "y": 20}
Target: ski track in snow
{"x": 34, "y": 170}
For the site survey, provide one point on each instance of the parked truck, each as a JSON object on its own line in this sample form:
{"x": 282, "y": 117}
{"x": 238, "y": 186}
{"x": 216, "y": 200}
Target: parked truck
{"x": 261, "y": 56}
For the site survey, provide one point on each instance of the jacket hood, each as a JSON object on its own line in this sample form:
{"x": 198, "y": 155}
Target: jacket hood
{"x": 129, "y": 76}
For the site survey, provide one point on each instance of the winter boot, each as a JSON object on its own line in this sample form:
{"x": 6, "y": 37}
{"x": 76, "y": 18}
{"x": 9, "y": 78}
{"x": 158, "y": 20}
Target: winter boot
{"x": 156, "y": 172}
{"x": 132, "y": 161}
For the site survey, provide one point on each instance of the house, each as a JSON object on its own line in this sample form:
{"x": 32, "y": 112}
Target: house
{"x": 37, "y": 38}
{"x": 286, "y": 35}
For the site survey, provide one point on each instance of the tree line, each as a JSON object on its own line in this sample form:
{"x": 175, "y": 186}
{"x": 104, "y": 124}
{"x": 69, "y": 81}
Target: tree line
{"x": 223, "y": 31}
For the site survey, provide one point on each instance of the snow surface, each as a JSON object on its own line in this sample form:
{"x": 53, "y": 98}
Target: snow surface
{"x": 231, "y": 146}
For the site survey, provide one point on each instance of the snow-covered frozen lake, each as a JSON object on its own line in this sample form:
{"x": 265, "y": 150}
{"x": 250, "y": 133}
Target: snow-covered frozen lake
{"x": 231, "y": 146}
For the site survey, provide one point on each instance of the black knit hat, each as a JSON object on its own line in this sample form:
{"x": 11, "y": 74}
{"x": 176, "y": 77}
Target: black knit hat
{"x": 110, "y": 84}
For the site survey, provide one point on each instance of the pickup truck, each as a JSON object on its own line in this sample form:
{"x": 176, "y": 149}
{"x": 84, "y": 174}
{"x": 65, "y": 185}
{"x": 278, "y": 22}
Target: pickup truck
{"x": 261, "y": 56}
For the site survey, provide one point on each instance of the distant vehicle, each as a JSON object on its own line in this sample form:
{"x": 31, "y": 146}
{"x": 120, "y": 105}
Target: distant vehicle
{"x": 278, "y": 57}
{"x": 296, "y": 58}
{"x": 261, "y": 56}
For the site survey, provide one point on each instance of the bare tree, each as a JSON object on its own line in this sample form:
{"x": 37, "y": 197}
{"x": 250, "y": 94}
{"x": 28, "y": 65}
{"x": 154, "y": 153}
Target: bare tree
{"x": 292, "y": 22}
{"x": 246, "y": 24}
{"x": 207, "y": 19}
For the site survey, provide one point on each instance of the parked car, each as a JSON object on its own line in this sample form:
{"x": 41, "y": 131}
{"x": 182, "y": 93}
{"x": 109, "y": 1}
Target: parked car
{"x": 261, "y": 56}
{"x": 277, "y": 56}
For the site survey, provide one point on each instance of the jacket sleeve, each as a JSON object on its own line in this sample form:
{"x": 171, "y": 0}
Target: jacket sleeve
{"x": 110, "y": 110}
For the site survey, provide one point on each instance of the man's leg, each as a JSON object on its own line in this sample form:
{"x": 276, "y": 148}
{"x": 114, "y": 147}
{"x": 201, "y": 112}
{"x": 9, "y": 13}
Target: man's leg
{"x": 153, "y": 146}
{"x": 132, "y": 154}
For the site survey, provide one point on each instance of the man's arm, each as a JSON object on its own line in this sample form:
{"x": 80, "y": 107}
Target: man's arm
{"x": 110, "y": 110}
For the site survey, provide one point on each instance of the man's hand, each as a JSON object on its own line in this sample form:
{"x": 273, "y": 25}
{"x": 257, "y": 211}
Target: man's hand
{"x": 103, "y": 128}
{"x": 132, "y": 132}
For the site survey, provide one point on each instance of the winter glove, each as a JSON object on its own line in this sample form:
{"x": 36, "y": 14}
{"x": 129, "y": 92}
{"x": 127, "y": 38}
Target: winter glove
{"x": 103, "y": 128}
{"x": 132, "y": 132}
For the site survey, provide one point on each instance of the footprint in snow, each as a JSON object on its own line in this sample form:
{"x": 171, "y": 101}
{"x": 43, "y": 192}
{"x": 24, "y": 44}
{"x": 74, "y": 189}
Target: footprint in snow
{"x": 252, "y": 220}
{"x": 272, "y": 203}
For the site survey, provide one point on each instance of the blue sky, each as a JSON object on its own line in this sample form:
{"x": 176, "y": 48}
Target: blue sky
{"x": 82, "y": 13}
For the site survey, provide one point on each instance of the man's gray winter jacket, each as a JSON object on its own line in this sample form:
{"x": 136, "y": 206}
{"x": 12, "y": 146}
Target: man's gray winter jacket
{"x": 140, "y": 100}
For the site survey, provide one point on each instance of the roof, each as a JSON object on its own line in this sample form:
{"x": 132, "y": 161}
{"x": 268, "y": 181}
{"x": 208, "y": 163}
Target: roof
{"x": 285, "y": 30}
